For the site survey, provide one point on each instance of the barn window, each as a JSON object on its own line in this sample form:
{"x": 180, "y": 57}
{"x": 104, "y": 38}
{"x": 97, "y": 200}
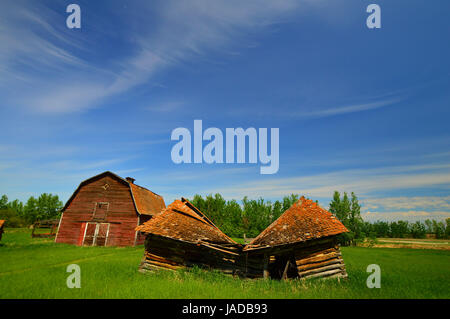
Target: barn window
{"x": 101, "y": 210}
{"x": 102, "y": 205}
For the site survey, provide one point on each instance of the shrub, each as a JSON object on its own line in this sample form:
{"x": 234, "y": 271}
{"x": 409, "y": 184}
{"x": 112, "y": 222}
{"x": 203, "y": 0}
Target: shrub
{"x": 12, "y": 219}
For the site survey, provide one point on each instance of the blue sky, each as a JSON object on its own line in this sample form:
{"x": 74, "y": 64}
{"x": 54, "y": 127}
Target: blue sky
{"x": 358, "y": 109}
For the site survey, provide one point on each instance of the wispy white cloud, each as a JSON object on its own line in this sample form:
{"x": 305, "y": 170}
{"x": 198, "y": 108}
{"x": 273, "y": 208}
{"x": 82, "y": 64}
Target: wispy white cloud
{"x": 362, "y": 181}
{"x": 411, "y": 215}
{"x": 22, "y": 152}
{"x": 185, "y": 31}
{"x": 404, "y": 207}
{"x": 204, "y": 174}
{"x": 169, "y": 106}
{"x": 69, "y": 165}
{"x": 57, "y": 177}
{"x": 346, "y": 109}
{"x": 327, "y": 108}
{"x": 24, "y": 48}
{"x": 366, "y": 183}
{"x": 66, "y": 98}
{"x": 408, "y": 203}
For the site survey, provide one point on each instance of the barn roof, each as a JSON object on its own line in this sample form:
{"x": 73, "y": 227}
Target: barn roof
{"x": 145, "y": 201}
{"x": 305, "y": 220}
{"x": 183, "y": 221}
{"x": 1, "y": 223}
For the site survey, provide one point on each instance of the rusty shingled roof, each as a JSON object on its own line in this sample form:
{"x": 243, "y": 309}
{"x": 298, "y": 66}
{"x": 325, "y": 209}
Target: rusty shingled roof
{"x": 183, "y": 221}
{"x": 1, "y": 223}
{"x": 303, "y": 221}
{"x": 145, "y": 201}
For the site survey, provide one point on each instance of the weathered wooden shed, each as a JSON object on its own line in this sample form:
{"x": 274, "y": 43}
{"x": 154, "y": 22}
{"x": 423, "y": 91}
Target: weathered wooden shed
{"x": 105, "y": 210}
{"x": 301, "y": 243}
{"x": 182, "y": 236}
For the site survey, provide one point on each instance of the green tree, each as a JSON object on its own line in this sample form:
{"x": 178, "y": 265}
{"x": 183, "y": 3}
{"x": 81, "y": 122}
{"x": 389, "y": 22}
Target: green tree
{"x": 215, "y": 206}
{"x": 30, "y": 210}
{"x": 381, "y": 229}
{"x": 232, "y": 224}
{"x": 288, "y": 201}
{"x": 335, "y": 204}
{"x": 46, "y": 206}
{"x": 447, "y": 228}
{"x": 12, "y": 219}
{"x": 17, "y": 206}
{"x": 399, "y": 229}
{"x": 12, "y": 212}
{"x": 429, "y": 226}
{"x": 227, "y": 215}
{"x": 342, "y": 210}
{"x": 4, "y": 202}
{"x": 418, "y": 230}
{"x": 367, "y": 229}
{"x": 198, "y": 202}
{"x": 256, "y": 215}
{"x": 354, "y": 220}
{"x": 438, "y": 229}
{"x": 277, "y": 210}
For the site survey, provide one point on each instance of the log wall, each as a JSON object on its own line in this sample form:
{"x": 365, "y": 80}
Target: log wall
{"x": 320, "y": 258}
{"x": 166, "y": 253}
{"x": 315, "y": 258}
{"x": 320, "y": 261}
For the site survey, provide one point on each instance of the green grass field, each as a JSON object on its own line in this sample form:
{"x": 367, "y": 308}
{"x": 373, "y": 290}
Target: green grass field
{"x": 36, "y": 268}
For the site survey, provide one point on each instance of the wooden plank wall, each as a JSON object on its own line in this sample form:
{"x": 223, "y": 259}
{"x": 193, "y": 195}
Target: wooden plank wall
{"x": 121, "y": 212}
{"x": 321, "y": 258}
{"x": 320, "y": 261}
{"x": 166, "y": 253}
{"x": 140, "y": 238}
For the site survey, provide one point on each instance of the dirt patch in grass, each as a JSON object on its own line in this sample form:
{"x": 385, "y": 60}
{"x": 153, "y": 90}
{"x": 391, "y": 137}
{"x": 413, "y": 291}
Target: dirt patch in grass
{"x": 413, "y": 246}
{"x": 408, "y": 243}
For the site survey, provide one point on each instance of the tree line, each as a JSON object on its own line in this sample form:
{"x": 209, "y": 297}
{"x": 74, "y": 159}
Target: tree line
{"x": 248, "y": 217}
{"x": 18, "y": 214}
{"x": 348, "y": 211}
{"x": 251, "y": 217}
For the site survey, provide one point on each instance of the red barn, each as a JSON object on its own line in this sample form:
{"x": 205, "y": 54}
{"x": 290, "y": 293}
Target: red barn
{"x": 105, "y": 210}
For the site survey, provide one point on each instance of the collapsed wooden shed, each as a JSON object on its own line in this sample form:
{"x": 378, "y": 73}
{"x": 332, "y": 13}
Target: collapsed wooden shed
{"x": 182, "y": 236}
{"x": 105, "y": 210}
{"x": 301, "y": 243}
